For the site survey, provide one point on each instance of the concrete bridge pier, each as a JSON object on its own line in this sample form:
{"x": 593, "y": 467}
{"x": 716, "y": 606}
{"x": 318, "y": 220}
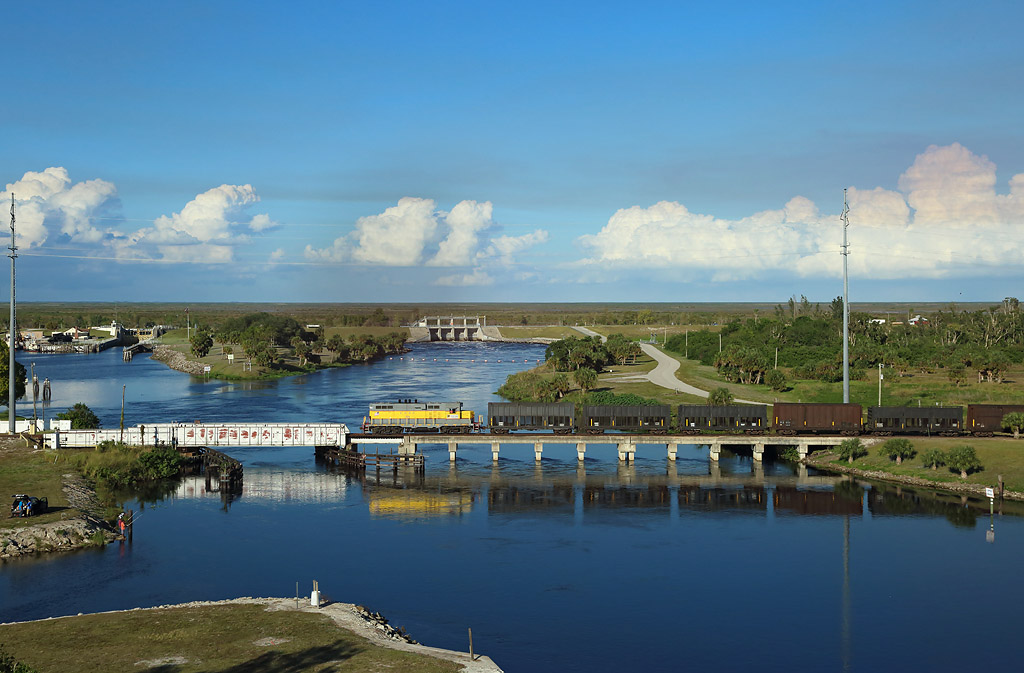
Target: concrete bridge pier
{"x": 627, "y": 452}
{"x": 407, "y": 449}
{"x": 452, "y": 448}
{"x": 714, "y": 451}
{"x": 758, "y": 452}
{"x": 494, "y": 450}
{"x": 802, "y": 449}
{"x": 538, "y": 450}
{"x": 581, "y": 451}
{"x": 673, "y": 449}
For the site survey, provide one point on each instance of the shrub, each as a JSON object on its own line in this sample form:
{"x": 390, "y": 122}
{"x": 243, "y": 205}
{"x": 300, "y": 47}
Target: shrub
{"x": 897, "y": 449}
{"x": 963, "y": 459}
{"x": 81, "y": 417}
{"x": 720, "y": 397}
{"x": 160, "y": 463}
{"x": 933, "y": 458}
{"x": 851, "y": 449}
{"x": 1014, "y": 421}
{"x": 776, "y": 380}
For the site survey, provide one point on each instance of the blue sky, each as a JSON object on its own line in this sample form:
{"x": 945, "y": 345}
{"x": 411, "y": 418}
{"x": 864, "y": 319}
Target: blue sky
{"x": 514, "y": 151}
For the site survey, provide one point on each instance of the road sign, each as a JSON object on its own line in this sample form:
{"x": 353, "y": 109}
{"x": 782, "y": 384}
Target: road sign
{"x": 990, "y": 493}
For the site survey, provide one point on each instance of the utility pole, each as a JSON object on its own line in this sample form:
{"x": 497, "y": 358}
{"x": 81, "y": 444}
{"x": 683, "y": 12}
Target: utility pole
{"x": 879, "y": 384}
{"x": 188, "y": 330}
{"x": 11, "y": 415}
{"x": 35, "y": 394}
{"x": 846, "y": 302}
{"x": 123, "y": 388}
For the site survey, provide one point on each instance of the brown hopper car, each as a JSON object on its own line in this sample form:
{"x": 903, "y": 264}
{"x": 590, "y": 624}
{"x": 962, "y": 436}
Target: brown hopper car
{"x": 984, "y": 419}
{"x": 792, "y": 419}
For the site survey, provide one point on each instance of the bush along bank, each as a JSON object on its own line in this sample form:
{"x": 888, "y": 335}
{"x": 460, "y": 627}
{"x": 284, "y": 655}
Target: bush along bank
{"x": 116, "y": 466}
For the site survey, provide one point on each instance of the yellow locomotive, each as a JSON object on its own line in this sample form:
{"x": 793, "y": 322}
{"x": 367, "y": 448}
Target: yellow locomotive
{"x": 418, "y": 417}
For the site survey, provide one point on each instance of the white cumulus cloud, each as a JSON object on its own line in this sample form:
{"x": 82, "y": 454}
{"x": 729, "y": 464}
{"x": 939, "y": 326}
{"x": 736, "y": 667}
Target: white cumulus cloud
{"x": 414, "y": 232}
{"x": 47, "y": 202}
{"x": 947, "y": 218}
{"x": 206, "y": 230}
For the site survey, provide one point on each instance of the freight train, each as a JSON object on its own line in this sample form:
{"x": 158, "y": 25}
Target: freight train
{"x": 787, "y": 418}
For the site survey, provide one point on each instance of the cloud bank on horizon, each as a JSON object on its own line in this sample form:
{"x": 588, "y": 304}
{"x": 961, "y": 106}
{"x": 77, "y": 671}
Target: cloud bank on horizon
{"x": 946, "y": 218}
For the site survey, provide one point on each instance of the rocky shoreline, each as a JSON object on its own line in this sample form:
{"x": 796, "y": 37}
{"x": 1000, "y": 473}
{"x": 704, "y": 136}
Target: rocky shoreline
{"x": 177, "y": 360}
{"x": 823, "y": 461}
{"x": 81, "y": 531}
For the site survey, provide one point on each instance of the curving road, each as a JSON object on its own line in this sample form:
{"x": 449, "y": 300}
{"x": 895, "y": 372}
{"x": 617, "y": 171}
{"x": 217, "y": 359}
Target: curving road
{"x": 664, "y": 373}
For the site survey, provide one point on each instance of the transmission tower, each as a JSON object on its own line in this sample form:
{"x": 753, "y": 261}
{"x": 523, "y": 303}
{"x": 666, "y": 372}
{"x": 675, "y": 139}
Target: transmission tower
{"x": 11, "y": 415}
{"x": 845, "y": 217}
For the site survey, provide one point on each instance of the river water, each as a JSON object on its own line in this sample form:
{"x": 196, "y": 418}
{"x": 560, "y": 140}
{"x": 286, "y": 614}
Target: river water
{"x": 556, "y": 567}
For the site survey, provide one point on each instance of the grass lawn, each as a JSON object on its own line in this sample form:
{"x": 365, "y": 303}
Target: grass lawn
{"x": 206, "y": 638}
{"x": 644, "y": 332}
{"x": 916, "y": 388}
{"x": 998, "y": 455}
{"x": 538, "y": 331}
{"x": 29, "y": 471}
{"x": 346, "y": 332}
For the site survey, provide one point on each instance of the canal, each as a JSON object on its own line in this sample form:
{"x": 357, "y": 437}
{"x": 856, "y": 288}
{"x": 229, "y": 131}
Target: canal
{"x": 555, "y": 567}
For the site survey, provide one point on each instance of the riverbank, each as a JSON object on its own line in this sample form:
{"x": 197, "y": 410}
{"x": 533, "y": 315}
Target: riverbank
{"x": 257, "y": 634}
{"x": 74, "y": 519}
{"x": 998, "y": 456}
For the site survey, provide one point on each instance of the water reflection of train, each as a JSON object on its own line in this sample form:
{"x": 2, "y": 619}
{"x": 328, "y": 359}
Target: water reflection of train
{"x": 786, "y": 418}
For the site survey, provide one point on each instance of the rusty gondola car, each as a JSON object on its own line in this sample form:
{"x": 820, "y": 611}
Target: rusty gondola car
{"x": 505, "y": 417}
{"x": 694, "y": 419}
{"x": 985, "y": 419}
{"x": 886, "y": 421}
{"x": 653, "y": 418}
{"x": 791, "y": 418}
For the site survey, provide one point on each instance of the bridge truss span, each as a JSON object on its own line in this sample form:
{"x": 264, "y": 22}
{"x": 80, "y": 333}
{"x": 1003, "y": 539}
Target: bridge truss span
{"x": 208, "y": 434}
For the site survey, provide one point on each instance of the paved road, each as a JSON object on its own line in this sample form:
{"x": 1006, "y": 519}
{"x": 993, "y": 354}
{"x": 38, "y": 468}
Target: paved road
{"x": 590, "y": 332}
{"x": 664, "y": 373}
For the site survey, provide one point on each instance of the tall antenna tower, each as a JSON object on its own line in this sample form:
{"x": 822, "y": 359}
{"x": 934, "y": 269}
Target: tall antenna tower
{"x": 11, "y": 415}
{"x": 845, "y": 217}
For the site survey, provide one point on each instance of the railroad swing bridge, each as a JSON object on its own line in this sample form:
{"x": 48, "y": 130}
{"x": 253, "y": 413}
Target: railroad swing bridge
{"x": 327, "y": 436}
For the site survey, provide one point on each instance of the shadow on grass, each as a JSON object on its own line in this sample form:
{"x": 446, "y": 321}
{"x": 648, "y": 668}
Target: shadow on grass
{"x": 274, "y": 661}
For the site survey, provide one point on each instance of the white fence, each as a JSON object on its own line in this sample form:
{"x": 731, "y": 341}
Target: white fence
{"x": 40, "y": 425}
{"x": 208, "y": 434}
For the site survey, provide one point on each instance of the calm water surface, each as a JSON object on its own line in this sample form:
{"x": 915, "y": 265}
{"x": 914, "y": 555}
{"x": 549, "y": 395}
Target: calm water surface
{"x": 555, "y": 567}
